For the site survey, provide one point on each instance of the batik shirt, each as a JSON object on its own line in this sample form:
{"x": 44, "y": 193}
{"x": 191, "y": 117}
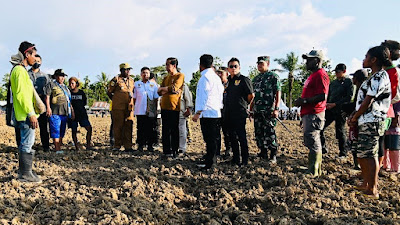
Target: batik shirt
{"x": 265, "y": 85}
{"x": 377, "y": 86}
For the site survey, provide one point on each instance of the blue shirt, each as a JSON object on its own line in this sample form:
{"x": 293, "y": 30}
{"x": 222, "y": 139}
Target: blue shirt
{"x": 209, "y": 94}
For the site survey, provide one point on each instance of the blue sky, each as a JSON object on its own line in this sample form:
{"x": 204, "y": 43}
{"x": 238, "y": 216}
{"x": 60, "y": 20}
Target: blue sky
{"x": 89, "y": 37}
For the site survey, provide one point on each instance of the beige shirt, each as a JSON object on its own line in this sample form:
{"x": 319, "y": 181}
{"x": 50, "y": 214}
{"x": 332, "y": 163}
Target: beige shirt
{"x": 122, "y": 88}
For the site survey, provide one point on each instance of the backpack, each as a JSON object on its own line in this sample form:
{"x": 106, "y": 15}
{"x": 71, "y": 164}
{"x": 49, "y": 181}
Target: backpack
{"x": 10, "y": 114}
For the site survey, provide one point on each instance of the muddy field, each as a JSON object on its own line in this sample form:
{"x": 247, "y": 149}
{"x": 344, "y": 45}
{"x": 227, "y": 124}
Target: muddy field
{"x": 104, "y": 187}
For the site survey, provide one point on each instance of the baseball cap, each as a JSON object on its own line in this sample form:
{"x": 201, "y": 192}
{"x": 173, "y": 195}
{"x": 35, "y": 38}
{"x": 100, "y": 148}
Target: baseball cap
{"x": 314, "y": 54}
{"x": 360, "y": 74}
{"x": 340, "y": 66}
{"x": 59, "y": 72}
{"x": 262, "y": 59}
{"x": 124, "y": 66}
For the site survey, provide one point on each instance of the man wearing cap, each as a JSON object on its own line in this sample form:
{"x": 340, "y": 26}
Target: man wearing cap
{"x": 265, "y": 106}
{"x": 340, "y": 92}
{"x": 313, "y": 105}
{"x": 171, "y": 90}
{"x": 239, "y": 95}
{"x": 144, "y": 96}
{"x": 40, "y": 80}
{"x": 59, "y": 108}
{"x": 24, "y": 112}
{"x": 120, "y": 91}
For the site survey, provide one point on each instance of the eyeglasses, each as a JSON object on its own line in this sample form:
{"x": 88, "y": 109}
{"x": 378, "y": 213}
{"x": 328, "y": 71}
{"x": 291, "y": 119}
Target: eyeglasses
{"x": 126, "y": 69}
{"x": 233, "y": 66}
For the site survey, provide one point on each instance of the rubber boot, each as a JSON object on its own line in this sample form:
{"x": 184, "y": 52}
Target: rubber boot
{"x": 25, "y": 171}
{"x": 314, "y": 164}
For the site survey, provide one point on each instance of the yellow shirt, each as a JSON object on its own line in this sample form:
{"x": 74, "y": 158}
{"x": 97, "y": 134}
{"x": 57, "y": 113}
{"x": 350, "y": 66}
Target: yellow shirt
{"x": 172, "y": 100}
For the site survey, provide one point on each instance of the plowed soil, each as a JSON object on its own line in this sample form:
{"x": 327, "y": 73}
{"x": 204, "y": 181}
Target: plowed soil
{"x": 104, "y": 187}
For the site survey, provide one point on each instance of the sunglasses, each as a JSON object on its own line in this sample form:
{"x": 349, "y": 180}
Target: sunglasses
{"x": 126, "y": 69}
{"x": 233, "y": 66}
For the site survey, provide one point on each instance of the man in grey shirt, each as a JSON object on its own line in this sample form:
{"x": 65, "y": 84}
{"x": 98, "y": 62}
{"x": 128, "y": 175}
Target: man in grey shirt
{"x": 186, "y": 106}
{"x": 40, "y": 80}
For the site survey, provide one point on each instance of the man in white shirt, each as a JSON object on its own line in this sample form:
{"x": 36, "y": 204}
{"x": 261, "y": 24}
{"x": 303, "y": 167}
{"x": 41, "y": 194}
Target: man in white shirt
{"x": 145, "y": 91}
{"x": 209, "y": 95}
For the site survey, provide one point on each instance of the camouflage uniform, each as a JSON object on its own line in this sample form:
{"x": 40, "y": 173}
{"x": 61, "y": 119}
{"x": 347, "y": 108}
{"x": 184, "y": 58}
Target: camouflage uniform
{"x": 266, "y": 85}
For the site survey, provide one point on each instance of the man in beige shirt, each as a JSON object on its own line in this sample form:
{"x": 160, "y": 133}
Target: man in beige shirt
{"x": 120, "y": 90}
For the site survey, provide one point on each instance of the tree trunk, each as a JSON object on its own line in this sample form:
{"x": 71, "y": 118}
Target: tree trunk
{"x": 291, "y": 80}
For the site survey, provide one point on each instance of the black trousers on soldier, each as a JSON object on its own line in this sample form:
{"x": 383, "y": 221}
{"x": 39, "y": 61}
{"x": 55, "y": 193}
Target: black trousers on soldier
{"x": 237, "y": 134}
{"x": 340, "y": 122}
{"x": 170, "y": 131}
{"x": 145, "y": 131}
{"x": 210, "y": 130}
{"x": 264, "y": 126}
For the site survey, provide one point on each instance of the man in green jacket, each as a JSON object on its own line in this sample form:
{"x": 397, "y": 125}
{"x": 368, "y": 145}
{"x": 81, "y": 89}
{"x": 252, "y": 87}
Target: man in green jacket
{"x": 23, "y": 100}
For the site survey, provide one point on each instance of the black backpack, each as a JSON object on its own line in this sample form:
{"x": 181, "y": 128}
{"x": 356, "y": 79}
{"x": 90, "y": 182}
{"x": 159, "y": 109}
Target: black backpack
{"x": 10, "y": 114}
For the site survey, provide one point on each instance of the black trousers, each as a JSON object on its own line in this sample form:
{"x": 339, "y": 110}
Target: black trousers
{"x": 44, "y": 131}
{"x": 112, "y": 140}
{"x": 17, "y": 136}
{"x": 222, "y": 123}
{"x": 170, "y": 131}
{"x": 211, "y": 131}
{"x": 340, "y": 122}
{"x": 145, "y": 130}
{"x": 237, "y": 134}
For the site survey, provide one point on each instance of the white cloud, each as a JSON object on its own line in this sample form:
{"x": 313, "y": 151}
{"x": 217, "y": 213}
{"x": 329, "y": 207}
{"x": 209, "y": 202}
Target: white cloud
{"x": 147, "y": 31}
{"x": 355, "y": 65}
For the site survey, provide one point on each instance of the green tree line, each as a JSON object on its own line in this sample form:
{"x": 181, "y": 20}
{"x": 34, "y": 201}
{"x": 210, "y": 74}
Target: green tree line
{"x": 291, "y": 86}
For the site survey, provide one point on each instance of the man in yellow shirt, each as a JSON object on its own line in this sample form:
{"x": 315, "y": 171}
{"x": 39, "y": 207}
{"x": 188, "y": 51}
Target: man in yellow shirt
{"x": 23, "y": 100}
{"x": 171, "y": 90}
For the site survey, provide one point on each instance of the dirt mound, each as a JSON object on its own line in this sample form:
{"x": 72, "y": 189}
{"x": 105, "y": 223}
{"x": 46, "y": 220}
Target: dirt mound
{"x": 106, "y": 187}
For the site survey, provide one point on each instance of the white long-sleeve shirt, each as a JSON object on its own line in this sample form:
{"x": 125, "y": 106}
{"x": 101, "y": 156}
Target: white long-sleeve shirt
{"x": 142, "y": 91}
{"x": 209, "y": 94}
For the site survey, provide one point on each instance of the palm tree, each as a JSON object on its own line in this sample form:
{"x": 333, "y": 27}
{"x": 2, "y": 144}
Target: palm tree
{"x": 101, "y": 86}
{"x": 289, "y": 64}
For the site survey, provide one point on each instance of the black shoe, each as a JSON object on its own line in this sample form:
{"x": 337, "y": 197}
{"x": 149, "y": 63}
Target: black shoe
{"x": 46, "y": 149}
{"x": 129, "y": 150}
{"x": 234, "y": 162}
{"x": 150, "y": 148}
{"x": 262, "y": 155}
{"x": 140, "y": 148}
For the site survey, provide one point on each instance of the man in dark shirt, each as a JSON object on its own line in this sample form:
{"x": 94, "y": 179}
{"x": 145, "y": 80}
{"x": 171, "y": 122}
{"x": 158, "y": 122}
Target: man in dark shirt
{"x": 340, "y": 92}
{"x": 239, "y": 95}
{"x": 40, "y": 80}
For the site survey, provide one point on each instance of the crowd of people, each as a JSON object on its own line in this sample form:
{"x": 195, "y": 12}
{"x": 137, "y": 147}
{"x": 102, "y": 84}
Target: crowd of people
{"x": 225, "y": 99}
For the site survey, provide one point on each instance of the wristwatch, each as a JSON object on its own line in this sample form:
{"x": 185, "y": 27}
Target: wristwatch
{"x": 304, "y": 101}
{"x": 276, "y": 108}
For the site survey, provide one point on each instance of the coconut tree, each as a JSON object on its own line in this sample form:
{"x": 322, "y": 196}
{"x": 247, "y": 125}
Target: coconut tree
{"x": 290, "y": 65}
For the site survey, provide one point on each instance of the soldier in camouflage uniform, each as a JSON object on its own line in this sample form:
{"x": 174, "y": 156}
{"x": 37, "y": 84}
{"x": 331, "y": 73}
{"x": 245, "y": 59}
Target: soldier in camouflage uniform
{"x": 265, "y": 108}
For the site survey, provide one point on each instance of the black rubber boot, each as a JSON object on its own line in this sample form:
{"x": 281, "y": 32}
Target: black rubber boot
{"x": 25, "y": 170}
